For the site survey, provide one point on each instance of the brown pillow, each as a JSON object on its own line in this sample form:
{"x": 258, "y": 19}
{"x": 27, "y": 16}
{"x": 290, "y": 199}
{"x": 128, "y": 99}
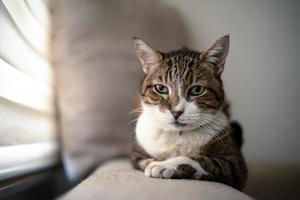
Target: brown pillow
{"x": 98, "y": 74}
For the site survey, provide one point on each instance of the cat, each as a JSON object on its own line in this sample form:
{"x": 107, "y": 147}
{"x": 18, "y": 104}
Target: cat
{"x": 183, "y": 130}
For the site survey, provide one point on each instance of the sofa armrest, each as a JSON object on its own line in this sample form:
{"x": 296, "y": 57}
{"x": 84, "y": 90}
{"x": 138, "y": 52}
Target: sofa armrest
{"x": 116, "y": 179}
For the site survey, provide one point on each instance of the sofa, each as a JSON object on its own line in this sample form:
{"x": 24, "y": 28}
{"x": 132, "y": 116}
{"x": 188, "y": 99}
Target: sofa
{"x": 116, "y": 179}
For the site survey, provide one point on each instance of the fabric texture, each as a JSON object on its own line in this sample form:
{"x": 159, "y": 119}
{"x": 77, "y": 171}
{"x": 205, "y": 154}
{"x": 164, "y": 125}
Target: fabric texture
{"x": 118, "y": 180}
{"x": 98, "y": 74}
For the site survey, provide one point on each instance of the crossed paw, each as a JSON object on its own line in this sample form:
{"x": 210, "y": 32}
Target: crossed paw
{"x": 160, "y": 169}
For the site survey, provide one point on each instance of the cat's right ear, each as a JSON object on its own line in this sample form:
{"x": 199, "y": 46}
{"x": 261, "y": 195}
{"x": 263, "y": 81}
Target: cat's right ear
{"x": 148, "y": 57}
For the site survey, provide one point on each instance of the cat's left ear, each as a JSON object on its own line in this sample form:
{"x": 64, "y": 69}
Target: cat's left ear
{"x": 217, "y": 53}
{"x": 148, "y": 56}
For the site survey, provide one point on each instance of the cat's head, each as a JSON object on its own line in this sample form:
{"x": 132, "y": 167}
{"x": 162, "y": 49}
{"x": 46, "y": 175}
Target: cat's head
{"x": 182, "y": 89}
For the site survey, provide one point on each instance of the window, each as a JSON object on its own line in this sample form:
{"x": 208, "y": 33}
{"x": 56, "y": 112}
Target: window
{"x": 28, "y": 139}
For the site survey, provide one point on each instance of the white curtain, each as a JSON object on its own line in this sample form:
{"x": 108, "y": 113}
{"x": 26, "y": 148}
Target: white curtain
{"x": 28, "y": 135}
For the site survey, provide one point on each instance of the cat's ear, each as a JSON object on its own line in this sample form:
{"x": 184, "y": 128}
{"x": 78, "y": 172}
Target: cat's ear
{"x": 217, "y": 53}
{"x": 148, "y": 57}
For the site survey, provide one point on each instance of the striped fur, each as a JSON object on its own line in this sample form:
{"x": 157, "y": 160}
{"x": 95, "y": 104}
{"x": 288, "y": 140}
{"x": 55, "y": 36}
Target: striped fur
{"x": 181, "y": 132}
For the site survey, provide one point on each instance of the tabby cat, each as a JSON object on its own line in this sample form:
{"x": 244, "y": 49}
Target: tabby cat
{"x": 184, "y": 128}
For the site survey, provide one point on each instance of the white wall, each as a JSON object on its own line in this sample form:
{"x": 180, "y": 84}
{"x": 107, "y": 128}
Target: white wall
{"x": 262, "y": 71}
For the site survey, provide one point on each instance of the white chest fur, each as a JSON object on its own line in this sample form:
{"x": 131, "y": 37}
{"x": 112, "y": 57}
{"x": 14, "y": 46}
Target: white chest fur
{"x": 162, "y": 144}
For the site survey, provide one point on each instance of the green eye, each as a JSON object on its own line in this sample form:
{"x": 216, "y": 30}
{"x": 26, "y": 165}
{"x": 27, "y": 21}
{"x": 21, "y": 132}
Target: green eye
{"x": 161, "y": 89}
{"x": 196, "y": 90}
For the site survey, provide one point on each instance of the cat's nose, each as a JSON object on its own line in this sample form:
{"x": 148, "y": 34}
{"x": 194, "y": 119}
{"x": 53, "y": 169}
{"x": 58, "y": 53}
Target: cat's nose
{"x": 177, "y": 114}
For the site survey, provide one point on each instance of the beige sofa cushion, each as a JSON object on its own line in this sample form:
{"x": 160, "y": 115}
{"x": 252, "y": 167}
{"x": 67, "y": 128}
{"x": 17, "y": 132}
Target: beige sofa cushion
{"x": 98, "y": 74}
{"x": 118, "y": 180}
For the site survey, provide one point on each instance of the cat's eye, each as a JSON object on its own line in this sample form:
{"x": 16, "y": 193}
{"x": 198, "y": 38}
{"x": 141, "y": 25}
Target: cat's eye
{"x": 161, "y": 89}
{"x": 196, "y": 90}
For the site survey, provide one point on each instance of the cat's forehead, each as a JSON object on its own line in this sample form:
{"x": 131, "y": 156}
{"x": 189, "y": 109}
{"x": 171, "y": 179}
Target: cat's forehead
{"x": 179, "y": 66}
{"x": 181, "y": 56}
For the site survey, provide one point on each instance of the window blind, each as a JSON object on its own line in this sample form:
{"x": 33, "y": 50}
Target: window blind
{"x": 28, "y": 134}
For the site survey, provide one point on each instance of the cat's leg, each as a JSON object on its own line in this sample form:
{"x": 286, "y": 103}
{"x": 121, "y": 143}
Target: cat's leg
{"x": 139, "y": 158}
{"x": 143, "y": 163}
{"x": 140, "y": 162}
{"x": 178, "y": 167}
{"x": 228, "y": 170}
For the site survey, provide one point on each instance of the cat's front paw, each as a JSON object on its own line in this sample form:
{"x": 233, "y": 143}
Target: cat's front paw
{"x": 160, "y": 169}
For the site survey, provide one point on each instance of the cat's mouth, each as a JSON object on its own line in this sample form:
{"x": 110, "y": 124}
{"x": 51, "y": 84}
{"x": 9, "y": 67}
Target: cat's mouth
{"x": 178, "y": 124}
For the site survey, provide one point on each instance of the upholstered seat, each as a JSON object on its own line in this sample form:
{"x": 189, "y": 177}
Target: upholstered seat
{"x": 116, "y": 179}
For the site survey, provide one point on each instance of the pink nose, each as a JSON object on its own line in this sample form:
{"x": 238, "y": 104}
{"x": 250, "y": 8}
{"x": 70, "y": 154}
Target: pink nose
{"x": 177, "y": 114}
